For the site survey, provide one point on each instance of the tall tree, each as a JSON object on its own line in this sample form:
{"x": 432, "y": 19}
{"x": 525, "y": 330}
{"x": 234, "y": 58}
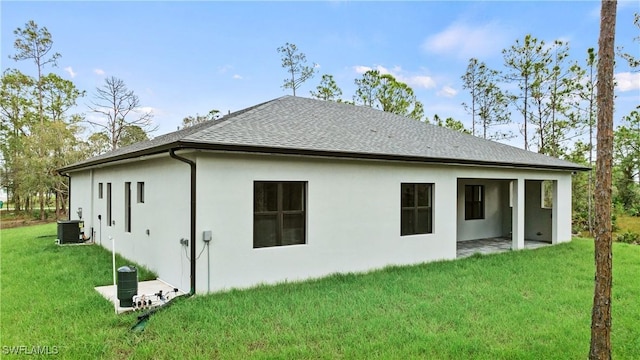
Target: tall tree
{"x": 197, "y": 119}
{"x": 587, "y": 94}
{"x": 627, "y": 161}
{"x": 17, "y": 114}
{"x": 35, "y": 43}
{"x": 132, "y": 134}
{"x": 525, "y": 60}
{"x": 488, "y": 102}
{"x": 44, "y": 143}
{"x": 59, "y": 133}
{"x": 397, "y": 97}
{"x": 120, "y": 108}
{"x": 451, "y": 123}
{"x": 328, "y": 89}
{"x": 98, "y": 143}
{"x": 471, "y": 80}
{"x": 388, "y": 94}
{"x": 294, "y": 62}
{"x": 600, "y": 347}
{"x": 367, "y": 88}
{"x": 555, "y": 120}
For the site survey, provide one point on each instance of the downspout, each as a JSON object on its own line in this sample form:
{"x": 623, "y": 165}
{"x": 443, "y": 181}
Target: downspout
{"x": 192, "y": 164}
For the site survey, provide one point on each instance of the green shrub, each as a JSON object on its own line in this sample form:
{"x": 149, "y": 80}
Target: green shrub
{"x": 48, "y": 214}
{"x": 629, "y": 237}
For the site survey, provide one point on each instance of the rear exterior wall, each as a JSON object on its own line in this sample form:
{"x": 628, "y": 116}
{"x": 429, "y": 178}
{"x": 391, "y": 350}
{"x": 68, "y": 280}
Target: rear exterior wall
{"x": 352, "y": 215}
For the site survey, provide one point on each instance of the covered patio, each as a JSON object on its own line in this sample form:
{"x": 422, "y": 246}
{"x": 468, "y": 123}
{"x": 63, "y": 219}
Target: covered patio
{"x": 492, "y": 246}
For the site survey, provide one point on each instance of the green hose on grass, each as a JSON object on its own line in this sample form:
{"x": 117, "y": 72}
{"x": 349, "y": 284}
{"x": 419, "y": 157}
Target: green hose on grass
{"x": 144, "y": 318}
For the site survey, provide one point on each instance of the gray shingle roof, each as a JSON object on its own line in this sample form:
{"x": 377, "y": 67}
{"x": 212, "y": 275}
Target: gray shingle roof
{"x": 314, "y": 127}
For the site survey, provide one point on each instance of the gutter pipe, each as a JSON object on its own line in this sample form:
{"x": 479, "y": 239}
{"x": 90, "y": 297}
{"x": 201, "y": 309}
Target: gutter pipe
{"x": 192, "y": 164}
{"x": 144, "y": 318}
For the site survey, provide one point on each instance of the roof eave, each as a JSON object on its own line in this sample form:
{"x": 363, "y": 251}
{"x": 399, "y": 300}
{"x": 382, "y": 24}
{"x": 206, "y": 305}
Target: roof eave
{"x": 374, "y": 156}
{"x": 125, "y": 156}
{"x": 307, "y": 152}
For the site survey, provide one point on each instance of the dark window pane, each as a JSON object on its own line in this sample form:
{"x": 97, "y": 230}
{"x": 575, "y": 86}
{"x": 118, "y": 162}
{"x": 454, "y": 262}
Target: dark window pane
{"x": 292, "y": 196}
{"x": 408, "y": 195}
{"x": 140, "y": 192}
{"x": 407, "y": 226}
{"x": 264, "y": 230}
{"x": 109, "y": 204}
{"x": 474, "y": 202}
{"x": 423, "y": 225}
{"x": 292, "y": 229}
{"x": 478, "y": 211}
{"x": 279, "y": 213}
{"x": 424, "y": 194}
{"x": 266, "y": 196}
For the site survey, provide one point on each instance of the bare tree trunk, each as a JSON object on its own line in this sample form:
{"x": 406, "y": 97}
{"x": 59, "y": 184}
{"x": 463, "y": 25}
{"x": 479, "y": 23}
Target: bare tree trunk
{"x": 601, "y": 315}
{"x": 526, "y": 101}
{"x": 41, "y": 198}
{"x": 63, "y": 203}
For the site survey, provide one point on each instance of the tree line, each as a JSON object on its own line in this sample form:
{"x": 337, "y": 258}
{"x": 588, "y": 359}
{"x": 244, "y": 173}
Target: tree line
{"x": 554, "y": 108}
{"x": 38, "y": 132}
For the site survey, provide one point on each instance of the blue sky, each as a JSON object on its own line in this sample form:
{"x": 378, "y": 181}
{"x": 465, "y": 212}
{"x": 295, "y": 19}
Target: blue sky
{"x": 183, "y": 58}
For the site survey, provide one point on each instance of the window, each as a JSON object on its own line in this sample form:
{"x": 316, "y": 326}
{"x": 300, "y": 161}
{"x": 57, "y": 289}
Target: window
{"x": 140, "y": 192}
{"x": 416, "y": 213}
{"x": 278, "y": 213}
{"x": 108, "y": 204}
{"x": 473, "y": 202}
{"x": 99, "y": 190}
{"x": 127, "y": 207}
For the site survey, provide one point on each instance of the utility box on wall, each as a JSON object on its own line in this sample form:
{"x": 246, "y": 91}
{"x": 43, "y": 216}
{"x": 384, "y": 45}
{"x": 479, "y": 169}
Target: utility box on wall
{"x": 70, "y": 232}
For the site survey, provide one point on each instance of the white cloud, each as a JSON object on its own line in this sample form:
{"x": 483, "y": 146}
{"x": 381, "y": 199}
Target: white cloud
{"x": 360, "y": 69}
{"x": 627, "y": 81}
{"x": 99, "y": 72}
{"x": 447, "y": 91}
{"x": 423, "y": 81}
{"x": 69, "y": 70}
{"x": 146, "y": 109}
{"x": 236, "y": 76}
{"x": 465, "y": 41}
{"x": 413, "y": 80}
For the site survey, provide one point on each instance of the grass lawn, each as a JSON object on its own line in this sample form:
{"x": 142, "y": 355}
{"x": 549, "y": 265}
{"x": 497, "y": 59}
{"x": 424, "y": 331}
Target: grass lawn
{"x": 532, "y": 304}
{"x": 628, "y": 223}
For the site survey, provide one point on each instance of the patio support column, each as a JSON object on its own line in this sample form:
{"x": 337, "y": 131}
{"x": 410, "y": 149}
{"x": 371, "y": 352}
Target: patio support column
{"x": 554, "y": 213}
{"x": 517, "y": 232}
{"x": 561, "y": 214}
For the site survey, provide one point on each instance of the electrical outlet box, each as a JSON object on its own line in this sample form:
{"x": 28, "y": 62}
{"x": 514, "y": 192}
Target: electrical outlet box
{"x": 206, "y": 236}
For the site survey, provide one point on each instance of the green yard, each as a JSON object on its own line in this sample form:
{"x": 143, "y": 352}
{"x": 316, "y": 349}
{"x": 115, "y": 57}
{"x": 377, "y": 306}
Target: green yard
{"x": 628, "y": 223}
{"x": 532, "y": 304}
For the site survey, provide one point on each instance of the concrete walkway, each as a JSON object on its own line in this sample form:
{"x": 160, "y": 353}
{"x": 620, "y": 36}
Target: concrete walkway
{"x": 492, "y": 246}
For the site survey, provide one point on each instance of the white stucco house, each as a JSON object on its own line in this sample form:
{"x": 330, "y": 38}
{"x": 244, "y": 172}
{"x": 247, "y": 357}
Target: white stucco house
{"x": 296, "y": 188}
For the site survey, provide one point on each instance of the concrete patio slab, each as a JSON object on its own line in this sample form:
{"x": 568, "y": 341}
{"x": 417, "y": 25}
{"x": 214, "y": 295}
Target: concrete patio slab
{"x": 492, "y": 246}
{"x": 150, "y": 287}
